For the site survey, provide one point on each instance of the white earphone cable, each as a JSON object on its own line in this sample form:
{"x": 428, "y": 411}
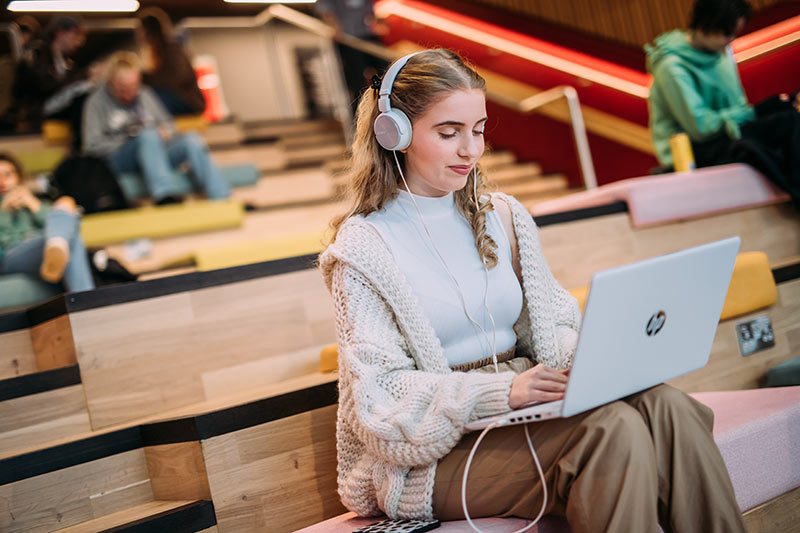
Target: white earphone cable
{"x": 494, "y": 359}
{"x": 491, "y": 345}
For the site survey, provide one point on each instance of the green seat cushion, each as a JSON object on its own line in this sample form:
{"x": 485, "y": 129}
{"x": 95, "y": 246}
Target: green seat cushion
{"x": 237, "y": 175}
{"x": 21, "y": 290}
{"x": 785, "y": 374}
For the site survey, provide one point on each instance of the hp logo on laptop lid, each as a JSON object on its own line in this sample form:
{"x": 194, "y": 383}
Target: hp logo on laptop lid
{"x": 655, "y": 323}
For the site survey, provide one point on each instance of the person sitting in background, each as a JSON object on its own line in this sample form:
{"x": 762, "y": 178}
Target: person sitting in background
{"x": 46, "y": 69}
{"x": 697, "y": 90}
{"x": 125, "y": 123}
{"x": 168, "y": 71}
{"x": 37, "y": 237}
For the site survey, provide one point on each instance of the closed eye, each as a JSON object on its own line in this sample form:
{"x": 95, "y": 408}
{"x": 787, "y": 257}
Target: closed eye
{"x": 447, "y": 135}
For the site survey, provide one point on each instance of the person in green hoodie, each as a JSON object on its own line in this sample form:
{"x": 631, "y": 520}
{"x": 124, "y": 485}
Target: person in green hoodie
{"x": 697, "y": 90}
{"x": 37, "y": 237}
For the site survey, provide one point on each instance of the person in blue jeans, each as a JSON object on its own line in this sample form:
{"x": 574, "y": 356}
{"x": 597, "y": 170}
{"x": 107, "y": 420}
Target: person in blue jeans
{"x": 125, "y": 123}
{"x": 37, "y": 237}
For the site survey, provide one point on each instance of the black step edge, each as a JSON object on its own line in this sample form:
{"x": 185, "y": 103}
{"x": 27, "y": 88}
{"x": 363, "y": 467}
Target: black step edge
{"x": 39, "y": 382}
{"x": 195, "y": 516}
{"x": 786, "y": 273}
{"x": 581, "y": 214}
{"x": 27, "y": 465}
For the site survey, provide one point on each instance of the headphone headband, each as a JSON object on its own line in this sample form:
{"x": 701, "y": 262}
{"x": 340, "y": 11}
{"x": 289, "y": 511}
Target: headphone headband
{"x": 388, "y": 81}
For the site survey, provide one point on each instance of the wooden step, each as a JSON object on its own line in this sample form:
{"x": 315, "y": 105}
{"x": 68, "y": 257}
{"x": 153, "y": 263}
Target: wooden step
{"x": 68, "y": 485}
{"x": 525, "y": 189}
{"x": 513, "y": 173}
{"x": 294, "y": 187}
{"x": 224, "y": 134}
{"x": 191, "y": 339}
{"x": 183, "y": 516}
{"x": 247, "y": 453}
{"x": 289, "y": 129}
{"x": 267, "y": 157}
{"x": 494, "y": 159}
{"x": 312, "y": 139}
{"x": 313, "y": 155}
{"x": 39, "y": 407}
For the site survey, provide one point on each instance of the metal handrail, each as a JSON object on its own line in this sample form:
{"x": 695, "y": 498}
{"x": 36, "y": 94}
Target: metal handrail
{"x": 543, "y": 98}
{"x": 322, "y": 29}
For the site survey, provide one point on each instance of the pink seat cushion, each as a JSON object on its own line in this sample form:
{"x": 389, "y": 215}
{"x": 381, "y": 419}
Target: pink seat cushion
{"x": 662, "y": 199}
{"x": 757, "y": 432}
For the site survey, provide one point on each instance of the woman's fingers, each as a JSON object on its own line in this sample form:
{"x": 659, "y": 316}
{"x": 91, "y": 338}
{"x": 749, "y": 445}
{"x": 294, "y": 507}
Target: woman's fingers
{"x": 550, "y": 385}
{"x": 544, "y": 396}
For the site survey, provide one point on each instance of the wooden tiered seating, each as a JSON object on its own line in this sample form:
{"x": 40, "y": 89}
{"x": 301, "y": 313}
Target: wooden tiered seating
{"x": 217, "y": 372}
{"x": 298, "y": 204}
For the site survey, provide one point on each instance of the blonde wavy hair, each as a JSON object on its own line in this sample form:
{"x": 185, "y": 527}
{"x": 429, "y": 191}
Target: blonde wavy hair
{"x": 373, "y": 179}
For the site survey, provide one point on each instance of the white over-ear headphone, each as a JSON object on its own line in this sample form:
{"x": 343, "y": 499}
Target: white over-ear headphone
{"x": 392, "y": 127}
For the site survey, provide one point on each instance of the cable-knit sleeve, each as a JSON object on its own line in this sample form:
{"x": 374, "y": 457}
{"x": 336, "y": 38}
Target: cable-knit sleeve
{"x": 404, "y": 415}
{"x": 554, "y": 317}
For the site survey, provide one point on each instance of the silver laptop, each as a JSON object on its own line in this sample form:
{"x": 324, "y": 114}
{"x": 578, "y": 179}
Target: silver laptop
{"x": 645, "y": 323}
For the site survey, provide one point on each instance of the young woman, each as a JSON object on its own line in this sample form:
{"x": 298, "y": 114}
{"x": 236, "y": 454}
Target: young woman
{"x": 429, "y": 285}
{"x": 37, "y": 237}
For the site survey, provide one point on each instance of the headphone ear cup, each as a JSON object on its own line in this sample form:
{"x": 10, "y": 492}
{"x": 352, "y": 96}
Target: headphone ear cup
{"x": 393, "y": 130}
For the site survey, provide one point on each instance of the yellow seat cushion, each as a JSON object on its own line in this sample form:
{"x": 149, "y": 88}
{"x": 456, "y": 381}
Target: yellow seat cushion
{"x": 580, "y": 294}
{"x": 752, "y": 286}
{"x": 41, "y": 160}
{"x": 245, "y": 253}
{"x": 100, "y": 229}
{"x": 56, "y": 131}
{"x": 190, "y": 123}
{"x": 329, "y": 359}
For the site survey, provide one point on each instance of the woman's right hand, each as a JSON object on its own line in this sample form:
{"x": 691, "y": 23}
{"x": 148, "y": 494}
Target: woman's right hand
{"x": 538, "y": 384}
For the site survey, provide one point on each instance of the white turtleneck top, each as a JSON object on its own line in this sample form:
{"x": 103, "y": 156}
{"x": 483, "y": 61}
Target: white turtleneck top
{"x": 398, "y": 223}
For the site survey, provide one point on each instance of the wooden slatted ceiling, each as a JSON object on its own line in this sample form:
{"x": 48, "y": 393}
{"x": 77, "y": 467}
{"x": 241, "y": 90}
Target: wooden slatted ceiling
{"x": 632, "y": 22}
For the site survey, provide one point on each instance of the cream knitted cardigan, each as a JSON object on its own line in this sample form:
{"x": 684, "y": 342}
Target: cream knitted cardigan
{"x": 401, "y": 408}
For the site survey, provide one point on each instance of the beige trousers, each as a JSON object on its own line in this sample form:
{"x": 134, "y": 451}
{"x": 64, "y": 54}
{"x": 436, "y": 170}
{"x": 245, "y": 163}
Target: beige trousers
{"x": 621, "y": 467}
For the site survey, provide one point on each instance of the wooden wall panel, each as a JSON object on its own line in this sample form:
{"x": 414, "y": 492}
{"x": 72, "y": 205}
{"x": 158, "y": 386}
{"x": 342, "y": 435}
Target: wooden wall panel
{"x": 277, "y": 477}
{"x": 631, "y": 22}
{"x": 779, "y": 514}
{"x": 728, "y": 370}
{"x": 39, "y": 418}
{"x": 576, "y": 250}
{"x": 149, "y": 356}
{"x": 16, "y": 354}
{"x": 53, "y": 344}
{"x": 177, "y": 471}
{"x": 76, "y": 494}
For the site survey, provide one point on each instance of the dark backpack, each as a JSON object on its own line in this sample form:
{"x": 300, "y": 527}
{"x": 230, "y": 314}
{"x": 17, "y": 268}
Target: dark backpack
{"x": 90, "y": 182}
